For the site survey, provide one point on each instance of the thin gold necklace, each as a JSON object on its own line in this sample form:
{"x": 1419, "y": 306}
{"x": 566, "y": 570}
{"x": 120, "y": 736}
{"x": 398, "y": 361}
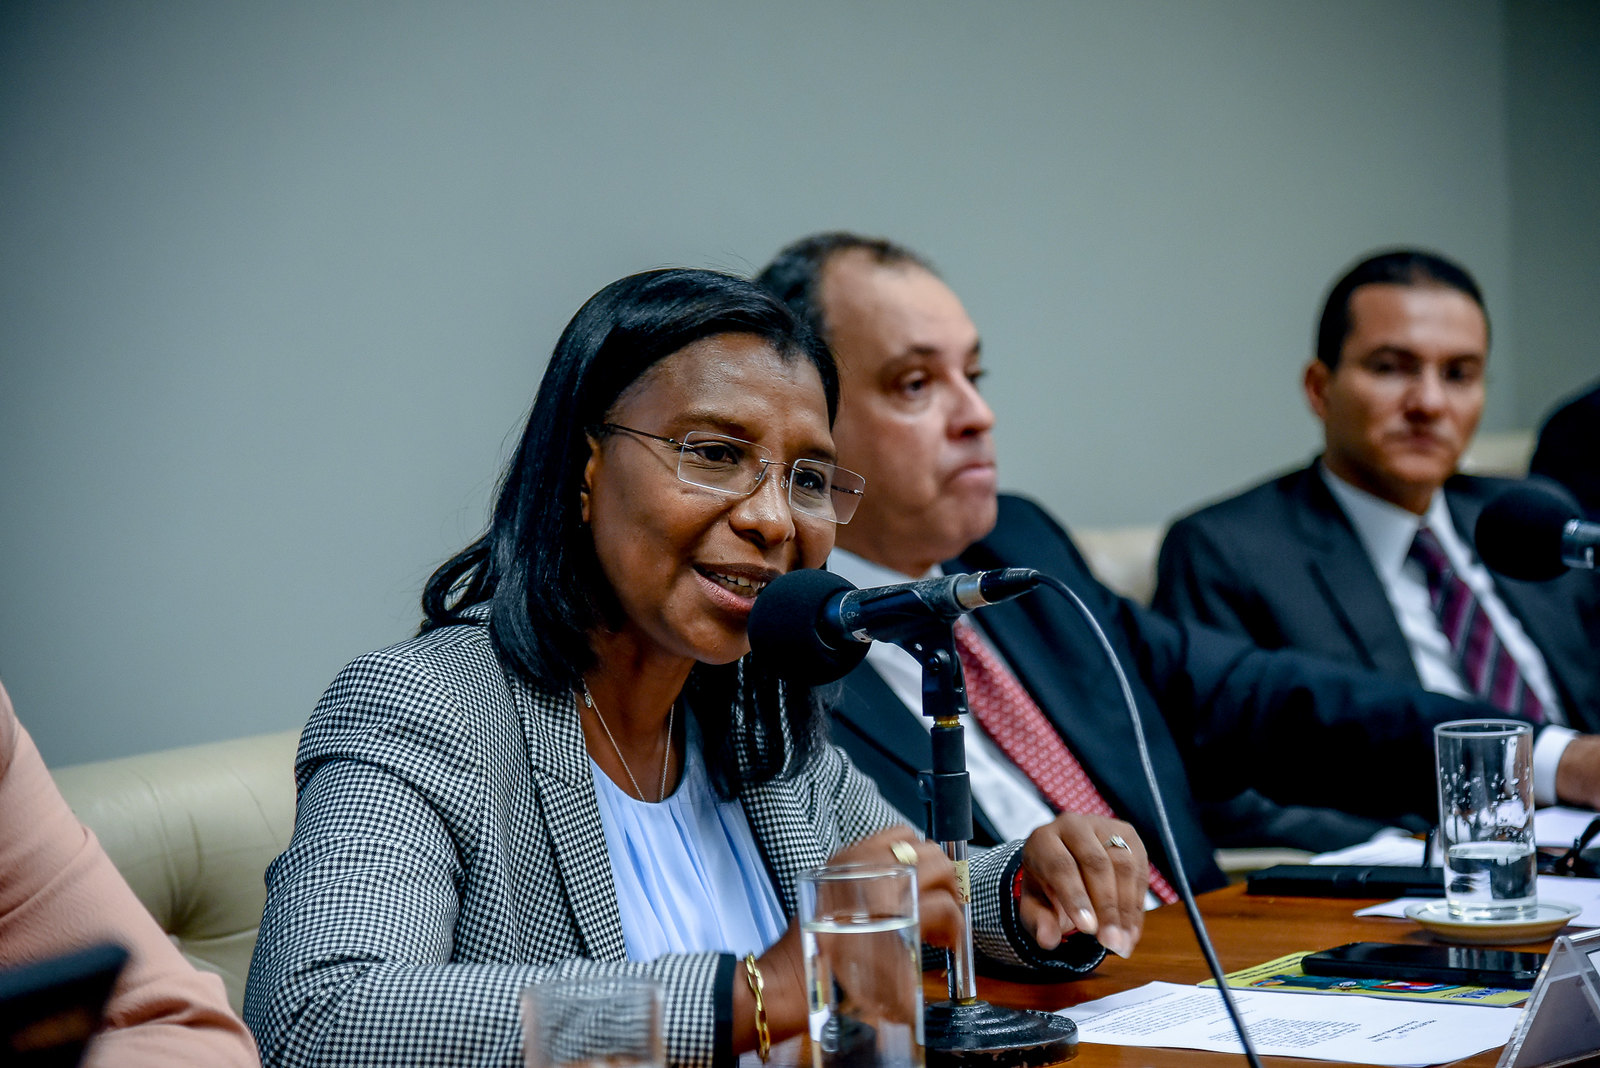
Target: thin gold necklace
{"x": 666, "y": 758}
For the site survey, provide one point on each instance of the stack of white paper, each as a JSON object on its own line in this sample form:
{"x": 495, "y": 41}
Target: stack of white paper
{"x": 1364, "y": 1030}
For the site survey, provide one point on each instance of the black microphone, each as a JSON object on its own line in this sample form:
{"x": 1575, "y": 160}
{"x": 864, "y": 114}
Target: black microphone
{"x": 814, "y": 626}
{"x": 1535, "y": 532}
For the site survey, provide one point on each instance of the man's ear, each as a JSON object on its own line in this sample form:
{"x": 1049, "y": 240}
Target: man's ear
{"x": 1316, "y": 379}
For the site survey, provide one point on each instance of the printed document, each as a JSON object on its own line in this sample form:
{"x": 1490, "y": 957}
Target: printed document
{"x": 1360, "y": 1029}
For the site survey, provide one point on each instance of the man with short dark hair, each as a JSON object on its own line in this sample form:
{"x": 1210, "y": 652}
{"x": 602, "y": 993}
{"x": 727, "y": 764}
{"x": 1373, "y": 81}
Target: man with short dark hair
{"x": 1366, "y": 555}
{"x": 1220, "y": 715}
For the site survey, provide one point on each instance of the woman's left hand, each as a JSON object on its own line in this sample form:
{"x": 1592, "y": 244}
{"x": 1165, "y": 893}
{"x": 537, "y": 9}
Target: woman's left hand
{"x": 1088, "y": 873}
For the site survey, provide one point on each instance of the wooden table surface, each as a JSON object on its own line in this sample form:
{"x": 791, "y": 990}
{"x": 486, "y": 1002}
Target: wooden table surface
{"x": 1245, "y": 930}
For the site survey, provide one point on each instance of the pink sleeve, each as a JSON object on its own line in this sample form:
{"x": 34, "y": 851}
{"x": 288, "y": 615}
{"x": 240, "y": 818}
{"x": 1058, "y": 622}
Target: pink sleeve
{"x": 59, "y": 891}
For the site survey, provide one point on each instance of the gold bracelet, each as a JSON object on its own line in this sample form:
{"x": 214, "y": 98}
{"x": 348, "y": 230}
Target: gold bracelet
{"x": 752, "y": 975}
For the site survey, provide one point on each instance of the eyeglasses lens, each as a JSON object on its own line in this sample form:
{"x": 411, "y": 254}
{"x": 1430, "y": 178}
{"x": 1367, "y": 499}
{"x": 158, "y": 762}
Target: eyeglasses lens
{"x": 729, "y": 465}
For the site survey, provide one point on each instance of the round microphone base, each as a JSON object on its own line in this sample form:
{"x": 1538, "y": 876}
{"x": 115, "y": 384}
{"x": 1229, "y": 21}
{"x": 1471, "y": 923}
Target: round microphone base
{"x": 979, "y": 1033}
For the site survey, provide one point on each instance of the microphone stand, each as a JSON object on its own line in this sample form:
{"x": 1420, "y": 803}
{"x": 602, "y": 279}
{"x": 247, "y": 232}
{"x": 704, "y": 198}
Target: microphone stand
{"x": 965, "y": 1030}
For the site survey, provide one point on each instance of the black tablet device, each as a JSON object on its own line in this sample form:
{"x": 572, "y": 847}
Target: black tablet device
{"x": 50, "y": 1009}
{"x": 1462, "y": 965}
{"x": 1345, "y": 880}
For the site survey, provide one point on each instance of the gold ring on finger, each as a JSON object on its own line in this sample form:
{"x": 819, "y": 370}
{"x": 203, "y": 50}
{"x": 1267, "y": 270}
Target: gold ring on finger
{"x": 905, "y": 853}
{"x": 1116, "y": 841}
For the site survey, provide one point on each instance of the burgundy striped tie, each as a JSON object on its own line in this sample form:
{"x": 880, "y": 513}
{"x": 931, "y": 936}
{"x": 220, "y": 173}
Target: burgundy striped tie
{"x": 1019, "y": 727}
{"x": 1487, "y": 668}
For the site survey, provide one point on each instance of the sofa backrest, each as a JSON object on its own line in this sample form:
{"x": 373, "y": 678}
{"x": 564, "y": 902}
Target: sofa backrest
{"x": 1124, "y": 558}
{"x": 1504, "y": 453}
{"x": 192, "y": 831}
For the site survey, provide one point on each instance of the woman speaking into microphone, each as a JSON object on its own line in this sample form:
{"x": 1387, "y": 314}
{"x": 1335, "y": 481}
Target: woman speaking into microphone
{"x": 577, "y": 768}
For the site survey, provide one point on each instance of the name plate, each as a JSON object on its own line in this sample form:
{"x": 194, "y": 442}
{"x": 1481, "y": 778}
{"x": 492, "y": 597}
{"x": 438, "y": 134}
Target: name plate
{"x": 1561, "y": 1022}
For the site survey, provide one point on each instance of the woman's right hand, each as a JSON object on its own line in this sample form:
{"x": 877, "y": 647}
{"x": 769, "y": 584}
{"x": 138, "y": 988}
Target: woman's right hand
{"x": 783, "y": 966}
{"x": 938, "y": 895}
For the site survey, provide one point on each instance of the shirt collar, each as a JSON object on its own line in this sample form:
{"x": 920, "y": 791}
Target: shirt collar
{"x": 863, "y": 573}
{"x": 1386, "y": 530}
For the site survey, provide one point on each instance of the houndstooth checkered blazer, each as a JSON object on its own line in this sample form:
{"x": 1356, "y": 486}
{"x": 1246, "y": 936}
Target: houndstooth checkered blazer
{"x": 448, "y": 852}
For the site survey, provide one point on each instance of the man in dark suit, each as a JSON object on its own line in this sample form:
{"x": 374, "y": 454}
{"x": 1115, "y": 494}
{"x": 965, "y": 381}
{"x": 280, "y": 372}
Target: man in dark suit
{"x": 1366, "y": 556}
{"x": 1219, "y": 714}
{"x": 1569, "y": 448}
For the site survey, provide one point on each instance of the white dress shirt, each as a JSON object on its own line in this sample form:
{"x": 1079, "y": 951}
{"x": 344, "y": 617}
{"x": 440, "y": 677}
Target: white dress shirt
{"x": 1386, "y": 531}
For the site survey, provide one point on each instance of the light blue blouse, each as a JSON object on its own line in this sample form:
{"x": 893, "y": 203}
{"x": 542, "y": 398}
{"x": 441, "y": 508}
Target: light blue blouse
{"x": 688, "y": 873}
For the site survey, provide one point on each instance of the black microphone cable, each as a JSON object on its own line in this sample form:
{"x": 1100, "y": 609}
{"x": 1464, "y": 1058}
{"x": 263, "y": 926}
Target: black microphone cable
{"x": 1163, "y": 825}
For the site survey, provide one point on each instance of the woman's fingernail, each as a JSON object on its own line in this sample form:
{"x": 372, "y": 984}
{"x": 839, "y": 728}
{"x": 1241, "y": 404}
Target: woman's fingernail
{"x": 1116, "y": 940}
{"x": 1087, "y": 922}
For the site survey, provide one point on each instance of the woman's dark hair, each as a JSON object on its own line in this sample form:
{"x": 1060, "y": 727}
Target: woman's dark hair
{"x": 1399, "y": 267}
{"x": 535, "y": 566}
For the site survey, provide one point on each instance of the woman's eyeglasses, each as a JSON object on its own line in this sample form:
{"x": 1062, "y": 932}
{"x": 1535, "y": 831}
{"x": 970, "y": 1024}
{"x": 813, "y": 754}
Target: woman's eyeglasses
{"x": 735, "y": 467}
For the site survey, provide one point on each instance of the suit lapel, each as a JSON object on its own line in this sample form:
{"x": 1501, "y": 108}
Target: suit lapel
{"x": 1078, "y": 692}
{"x": 1340, "y": 566}
{"x": 565, "y": 786}
{"x": 1100, "y": 742}
{"x": 876, "y": 712}
{"x": 1058, "y": 661}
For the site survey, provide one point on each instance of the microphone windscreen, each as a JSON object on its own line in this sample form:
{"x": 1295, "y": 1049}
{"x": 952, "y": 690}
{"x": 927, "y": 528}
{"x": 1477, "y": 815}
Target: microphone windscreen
{"x": 785, "y": 632}
{"x": 1519, "y": 532}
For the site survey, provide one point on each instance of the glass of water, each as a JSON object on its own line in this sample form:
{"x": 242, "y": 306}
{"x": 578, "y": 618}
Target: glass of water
{"x": 593, "y": 1023}
{"x": 863, "y": 956}
{"x": 1486, "y": 817}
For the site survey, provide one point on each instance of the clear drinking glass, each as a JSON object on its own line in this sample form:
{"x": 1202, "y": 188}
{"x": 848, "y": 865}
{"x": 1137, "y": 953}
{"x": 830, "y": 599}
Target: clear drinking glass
{"x": 863, "y": 957}
{"x": 1486, "y": 817}
{"x": 589, "y": 1023}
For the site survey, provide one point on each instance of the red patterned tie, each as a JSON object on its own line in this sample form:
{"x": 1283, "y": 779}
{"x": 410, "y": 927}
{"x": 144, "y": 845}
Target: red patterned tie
{"x": 1009, "y": 715}
{"x": 1487, "y": 668}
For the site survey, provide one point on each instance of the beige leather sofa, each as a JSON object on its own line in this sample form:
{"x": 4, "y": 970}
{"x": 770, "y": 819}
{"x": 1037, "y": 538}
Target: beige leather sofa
{"x": 192, "y": 830}
{"x": 1124, "y": 558}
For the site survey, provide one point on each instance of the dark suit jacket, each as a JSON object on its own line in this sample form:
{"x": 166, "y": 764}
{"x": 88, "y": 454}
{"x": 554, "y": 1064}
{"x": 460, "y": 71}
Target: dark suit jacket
{"x": 1282, "y": 565}
{"x": 1569, "y": 449}
{"x": 1219, "y": 714}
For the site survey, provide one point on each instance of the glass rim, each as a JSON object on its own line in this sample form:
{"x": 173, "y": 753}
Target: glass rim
{"x": 856, "y": 871}
{"x": 1482, "y": 728}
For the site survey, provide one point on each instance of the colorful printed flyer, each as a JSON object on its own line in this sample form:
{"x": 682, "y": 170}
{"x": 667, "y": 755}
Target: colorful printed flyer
{"x": 1285, "y": 974}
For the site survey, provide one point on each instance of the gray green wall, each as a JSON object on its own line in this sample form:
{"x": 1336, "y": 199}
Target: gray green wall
{"x": 278, "y": 279}
{"x": 1553, "y": 104}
